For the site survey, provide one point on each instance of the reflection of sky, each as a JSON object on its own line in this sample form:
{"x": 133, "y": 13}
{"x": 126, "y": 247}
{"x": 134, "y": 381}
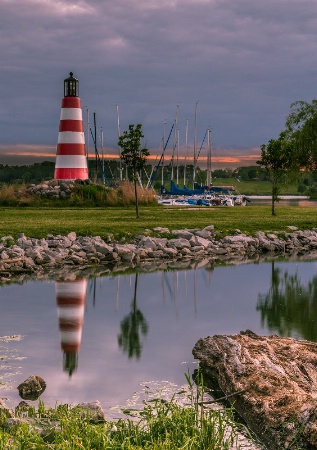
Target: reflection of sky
{"x": 179, "y": 307}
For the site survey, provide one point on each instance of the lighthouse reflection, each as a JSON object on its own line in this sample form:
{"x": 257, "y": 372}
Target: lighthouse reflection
{"x": 70, "y": 299}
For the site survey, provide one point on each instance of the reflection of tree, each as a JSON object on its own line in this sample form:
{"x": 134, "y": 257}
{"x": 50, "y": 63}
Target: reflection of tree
{"x": 289, "y": 307}
{"x": 131, "y": 327}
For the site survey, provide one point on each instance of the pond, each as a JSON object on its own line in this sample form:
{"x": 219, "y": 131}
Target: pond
{"x": 106, "y": 338}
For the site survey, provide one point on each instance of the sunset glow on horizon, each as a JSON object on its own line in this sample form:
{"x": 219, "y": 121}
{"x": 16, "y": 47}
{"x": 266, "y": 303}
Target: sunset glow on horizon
{"x": 21, "y": 154}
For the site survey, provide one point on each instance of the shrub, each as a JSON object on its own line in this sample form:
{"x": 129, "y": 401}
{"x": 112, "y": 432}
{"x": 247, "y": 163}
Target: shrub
{"x": 90, "y": 195}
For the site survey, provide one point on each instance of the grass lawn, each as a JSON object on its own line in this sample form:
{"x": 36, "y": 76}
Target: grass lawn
{"x": 38, "y": 222}
{"x": 256, "y": 187}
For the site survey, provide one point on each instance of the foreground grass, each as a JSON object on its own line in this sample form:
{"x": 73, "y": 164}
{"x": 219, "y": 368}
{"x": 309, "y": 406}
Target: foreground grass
{"x": 160, "y": 425}
{"x": 38, "y": 222}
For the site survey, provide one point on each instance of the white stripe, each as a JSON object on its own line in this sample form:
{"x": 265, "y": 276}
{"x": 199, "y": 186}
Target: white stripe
{"x": 71, "y": 337}
{"x": 71, "y": 114}
{"x": 69, "y": 288}
{"x": 71, "y": 137}
{"x": 71, "y": 312}
{"x": 71, "y": 162}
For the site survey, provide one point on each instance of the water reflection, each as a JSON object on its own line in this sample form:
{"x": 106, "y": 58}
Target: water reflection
{"x": 111, "y": 326}
{"x": 132, "y": 326}
{"x": 70, "y": 299}
{"x": 290, "y": 306}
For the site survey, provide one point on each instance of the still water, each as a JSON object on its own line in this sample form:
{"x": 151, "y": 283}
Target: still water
{"x": 284, "y": 201}
{"x": 134, "y": 328}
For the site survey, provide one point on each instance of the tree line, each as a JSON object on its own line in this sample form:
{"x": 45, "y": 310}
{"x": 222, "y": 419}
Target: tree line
{"x": 39, "y": 172}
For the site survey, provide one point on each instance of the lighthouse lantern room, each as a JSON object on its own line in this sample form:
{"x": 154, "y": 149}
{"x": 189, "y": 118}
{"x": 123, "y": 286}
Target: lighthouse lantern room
{"x": 71, "y": 86}
{"x": 71, "y": 161}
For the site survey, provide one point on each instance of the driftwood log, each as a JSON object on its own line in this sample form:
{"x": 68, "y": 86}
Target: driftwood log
{"x": 275, "y": 381}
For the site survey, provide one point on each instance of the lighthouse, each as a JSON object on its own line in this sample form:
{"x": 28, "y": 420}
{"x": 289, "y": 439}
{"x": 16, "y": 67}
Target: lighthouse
{"x": 70, "y": 299}
{"x": 71, "y": 161}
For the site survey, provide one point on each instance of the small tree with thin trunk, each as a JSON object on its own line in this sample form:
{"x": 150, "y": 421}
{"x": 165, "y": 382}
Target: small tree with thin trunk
{"x": 277, "y": 159}
{"x": 133, "y": 156}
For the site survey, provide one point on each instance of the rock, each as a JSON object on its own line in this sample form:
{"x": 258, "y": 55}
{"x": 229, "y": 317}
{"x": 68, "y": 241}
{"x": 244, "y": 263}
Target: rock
{"x": 204, "y": 234}
{"x": 200, "y": 241}
{"x": 183, "y": 234}
{"x": 93, "y": 411}
{"x": 210, "y": 228}
{"x": 32, "y": 387}
{"x": 161, "y": 230}
{"x": 178, "y": 243}
{"x": 273, "y": 383}
{"x": 147, "y": 243}
{"x": 104, "y": 248}
{"x": 170, "y": 252}
{"x": 72, "y": 236}
{"x": 13, "y": 423}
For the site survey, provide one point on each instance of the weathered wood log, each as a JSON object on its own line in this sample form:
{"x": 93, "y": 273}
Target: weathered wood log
{"x": 278, "y": 377}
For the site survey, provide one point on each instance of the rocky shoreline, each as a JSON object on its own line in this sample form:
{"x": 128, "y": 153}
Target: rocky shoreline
{"x": 23, "y": 256}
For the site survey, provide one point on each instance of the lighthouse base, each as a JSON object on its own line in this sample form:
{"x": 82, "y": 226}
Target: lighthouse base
{"x": 71, "y": 174}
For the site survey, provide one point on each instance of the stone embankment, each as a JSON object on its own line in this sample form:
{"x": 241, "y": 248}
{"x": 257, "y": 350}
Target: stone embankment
{"x": 55, "y": 188}
{"x": 35, "y": 256}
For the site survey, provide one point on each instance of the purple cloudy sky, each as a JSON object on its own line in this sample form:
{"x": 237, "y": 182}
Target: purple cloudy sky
{"x": 243, "y": 61}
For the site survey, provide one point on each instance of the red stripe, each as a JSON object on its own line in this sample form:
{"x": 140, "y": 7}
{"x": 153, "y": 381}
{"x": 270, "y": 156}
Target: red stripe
{"x": 67, "y": 325}
{"x": 71, "y": 174}
{"x": 67, "y": 348}
{"x": 71, "y": 149}
{"x": 71, "y": 102}
{"x": 70, "y": 301}
{"x": 71, "y": 125}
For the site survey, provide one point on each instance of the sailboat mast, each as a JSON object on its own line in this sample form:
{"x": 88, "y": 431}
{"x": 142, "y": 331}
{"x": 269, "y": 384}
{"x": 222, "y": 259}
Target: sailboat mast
{"x": 119, "y": 134}
{"x": 102, "y": 152}
{"x": 177, "y": 157}
{"x": 175, "y": 140}
{"x": 164, "y": 140}
{"x": 209, "y": 158}
{"x": 88, "y": 130}
{"x": 186, "y": 154}
{"x": 195, "y": 140}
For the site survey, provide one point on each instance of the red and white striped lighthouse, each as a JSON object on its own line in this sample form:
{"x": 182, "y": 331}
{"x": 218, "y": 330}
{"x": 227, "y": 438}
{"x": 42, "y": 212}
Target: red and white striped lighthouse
{"x": 71, "y": 161}
{"x": 70, "y": 299}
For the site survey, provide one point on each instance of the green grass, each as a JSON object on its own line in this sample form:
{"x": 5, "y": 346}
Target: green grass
{"x": 38, "y": 222}
{"x": 255, "y": 187}
{"x": 159, "y": 425}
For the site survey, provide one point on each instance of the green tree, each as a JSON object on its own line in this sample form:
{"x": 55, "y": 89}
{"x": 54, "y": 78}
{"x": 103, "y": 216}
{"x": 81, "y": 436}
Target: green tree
{"x": 277, "y": 161}
{"x": 301, "y": 131}
{"x": 133, "y": 156}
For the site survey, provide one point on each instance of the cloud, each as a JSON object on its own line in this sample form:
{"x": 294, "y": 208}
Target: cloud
{"x": 244, "y": 62}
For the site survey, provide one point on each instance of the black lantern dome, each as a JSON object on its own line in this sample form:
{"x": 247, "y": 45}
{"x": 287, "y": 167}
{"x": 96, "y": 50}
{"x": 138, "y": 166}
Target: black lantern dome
{"x": 71, "y": 86}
